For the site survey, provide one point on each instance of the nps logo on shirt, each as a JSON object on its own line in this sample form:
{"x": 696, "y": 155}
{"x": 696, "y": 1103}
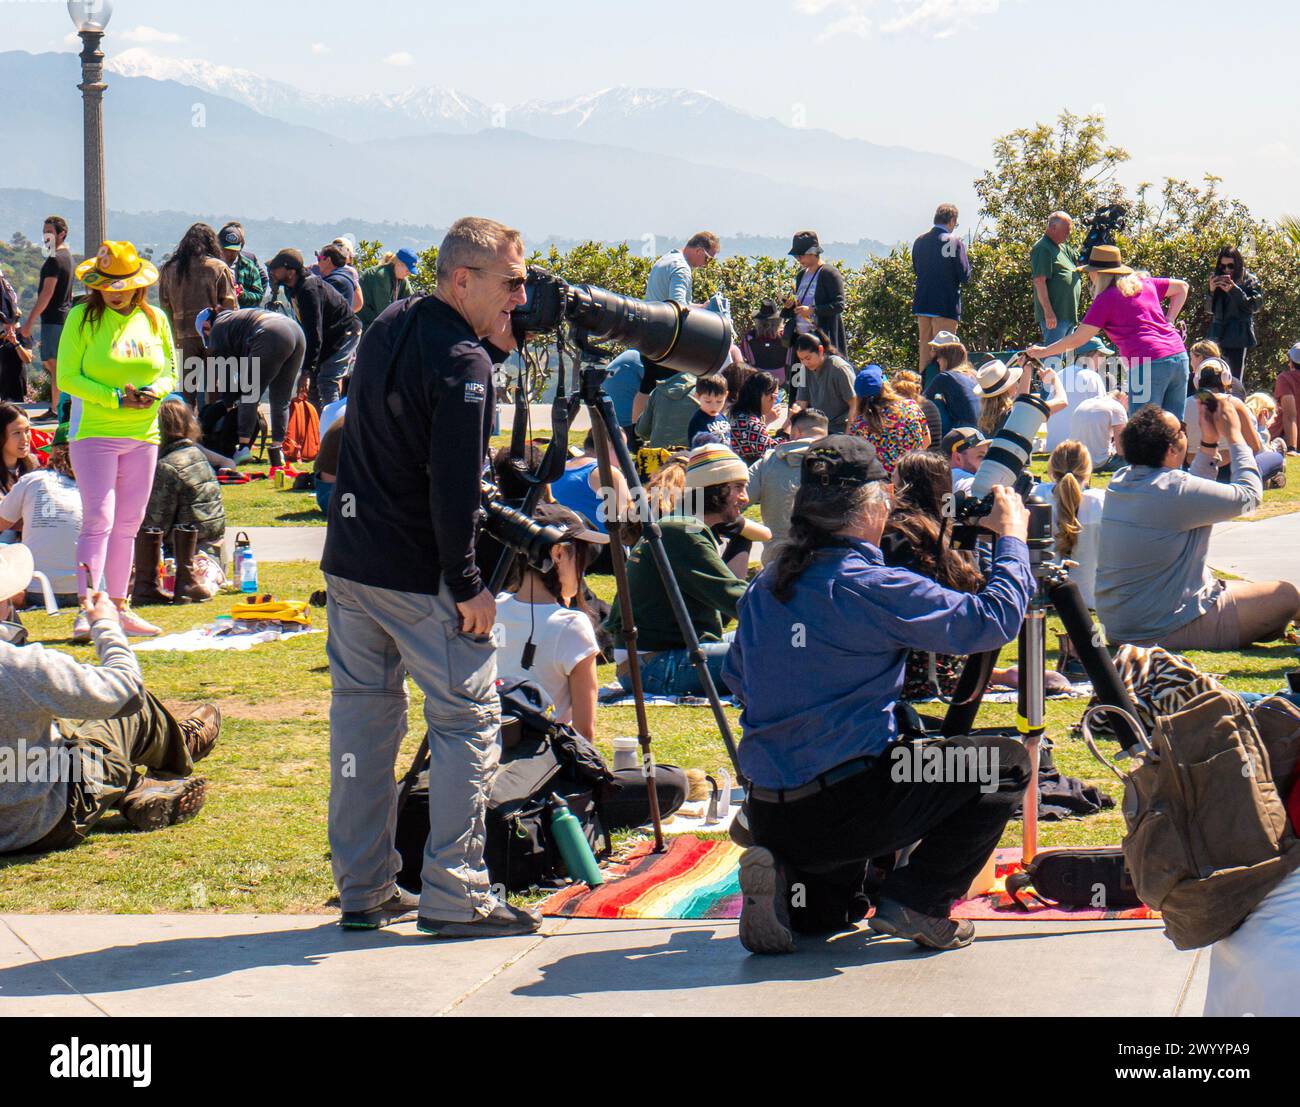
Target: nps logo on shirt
{"x": 475, "y": 393}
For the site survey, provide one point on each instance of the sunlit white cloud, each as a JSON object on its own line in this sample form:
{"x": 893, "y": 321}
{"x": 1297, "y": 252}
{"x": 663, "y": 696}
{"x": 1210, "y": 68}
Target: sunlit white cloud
{"x": 402, "y": 57}
{"x": 863, "y": 18}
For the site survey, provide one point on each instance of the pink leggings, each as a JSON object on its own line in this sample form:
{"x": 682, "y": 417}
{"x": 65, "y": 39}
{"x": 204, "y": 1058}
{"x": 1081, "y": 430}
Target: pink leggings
{"x": 115, "y": 477}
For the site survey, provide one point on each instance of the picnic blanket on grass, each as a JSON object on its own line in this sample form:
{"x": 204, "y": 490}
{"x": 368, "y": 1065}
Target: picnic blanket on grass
{"x": 699, "y": 878}
{"x": 202, "y": 638}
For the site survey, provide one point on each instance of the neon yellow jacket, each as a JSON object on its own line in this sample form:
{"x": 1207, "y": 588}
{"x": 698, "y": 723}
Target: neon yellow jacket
{"x": 97, "y": 362}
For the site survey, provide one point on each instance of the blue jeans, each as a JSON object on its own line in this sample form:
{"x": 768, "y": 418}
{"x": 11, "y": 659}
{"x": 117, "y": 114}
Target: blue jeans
{"x": 323, "y": 491}
{"x": 1162, "y": 382}
{"x": 670, "y": 672}
{"x": 335, "y": 367}
{"x": 1054, "y": 334}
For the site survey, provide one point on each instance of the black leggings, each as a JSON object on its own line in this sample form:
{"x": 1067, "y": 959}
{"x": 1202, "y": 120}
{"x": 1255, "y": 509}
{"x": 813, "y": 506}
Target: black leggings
{"x": 278, "y": 353}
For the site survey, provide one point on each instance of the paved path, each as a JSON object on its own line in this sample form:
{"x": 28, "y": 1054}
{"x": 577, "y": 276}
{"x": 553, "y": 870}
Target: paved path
{"x": 303, "y": 964}
{"x": 1266, "y": 550}
{"x": 279, "y": 543}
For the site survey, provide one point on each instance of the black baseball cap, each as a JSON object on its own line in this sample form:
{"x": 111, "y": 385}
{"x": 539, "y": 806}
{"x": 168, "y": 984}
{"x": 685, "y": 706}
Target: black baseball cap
{"x": 286, "y": 259}
{"x": 961, "y": 438}
{"x": 805, "y": 242}
{"x": 231, "y": 239}
{"x": 842, "y": 459}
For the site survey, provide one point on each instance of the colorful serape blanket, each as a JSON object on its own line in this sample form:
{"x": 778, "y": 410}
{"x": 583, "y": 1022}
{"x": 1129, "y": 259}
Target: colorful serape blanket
{"x": 697, "y": 878}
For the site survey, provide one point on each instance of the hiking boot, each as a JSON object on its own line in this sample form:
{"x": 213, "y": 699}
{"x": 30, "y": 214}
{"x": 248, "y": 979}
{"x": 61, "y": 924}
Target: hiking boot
{"x": 201, "y": 730}
{"x": 505, "y": 921}
{"x": 764, "y": 910}
{"x": 151, "y": 803}
{"x": 1277, "y": 480}
{"x": 399, "y": 907}
{"x": 925, "y": 930}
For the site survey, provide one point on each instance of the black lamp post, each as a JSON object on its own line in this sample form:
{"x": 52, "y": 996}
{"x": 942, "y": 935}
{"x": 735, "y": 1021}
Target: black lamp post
{"x": 91, "y": 17}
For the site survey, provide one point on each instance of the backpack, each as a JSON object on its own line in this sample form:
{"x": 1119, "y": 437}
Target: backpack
{"x": 220, "y": 425}
{"x": 1077, "y": 878}
{"x": 548, "y": 758}
{"x": 302, "y": 437}
{"x": 1208, "y": 836}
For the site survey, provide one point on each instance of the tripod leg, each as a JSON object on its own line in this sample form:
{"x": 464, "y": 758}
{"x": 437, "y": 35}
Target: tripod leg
{"x": 1030, "y": 711}
{"x": 654, "y": 539}
{"x": 602, "y": 432}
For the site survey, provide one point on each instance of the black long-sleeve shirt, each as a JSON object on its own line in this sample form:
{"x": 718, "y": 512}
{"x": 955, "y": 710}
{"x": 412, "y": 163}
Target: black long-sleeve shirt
{"x": 403, "y": 513}
{"x": 325, "y": 316}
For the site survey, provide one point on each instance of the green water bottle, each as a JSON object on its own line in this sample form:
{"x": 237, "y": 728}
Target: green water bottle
{"x": 574, "y": 847}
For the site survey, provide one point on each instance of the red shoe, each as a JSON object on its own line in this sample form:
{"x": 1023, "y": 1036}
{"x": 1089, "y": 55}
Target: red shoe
{"x": 290, "y": 473}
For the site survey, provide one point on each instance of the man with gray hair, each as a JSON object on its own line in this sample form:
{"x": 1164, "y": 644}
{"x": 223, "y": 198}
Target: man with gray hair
{"x": 405, "y": 596}
{"x": 1053, "y": 266}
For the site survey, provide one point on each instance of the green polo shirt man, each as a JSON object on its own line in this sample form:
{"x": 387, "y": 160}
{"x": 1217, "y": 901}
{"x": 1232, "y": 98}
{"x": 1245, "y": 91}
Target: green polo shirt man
{"x": 1053, "y": 267}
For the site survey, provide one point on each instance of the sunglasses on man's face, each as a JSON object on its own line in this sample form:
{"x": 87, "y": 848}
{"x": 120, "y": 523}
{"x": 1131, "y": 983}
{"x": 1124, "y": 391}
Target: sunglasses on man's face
{"x": 511, "y": 282}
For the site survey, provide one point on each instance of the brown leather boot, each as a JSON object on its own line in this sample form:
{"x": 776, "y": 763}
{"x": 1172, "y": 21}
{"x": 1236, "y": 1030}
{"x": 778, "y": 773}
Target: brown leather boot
{"x": 152, "y": 803}
{"x": 145, "y": 588}
{"x": 201, "y": 730}
{"x": 185, "y": 543}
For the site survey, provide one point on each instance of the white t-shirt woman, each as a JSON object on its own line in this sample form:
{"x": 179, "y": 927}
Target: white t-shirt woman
{"x": 48, "y": 505}
{"x": 1087, "y": 543}
{"x": 547, "y": 610}
{"x": 564, "y": 639}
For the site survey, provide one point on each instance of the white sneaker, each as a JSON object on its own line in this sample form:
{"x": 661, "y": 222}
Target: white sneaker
{"x": 135, "y": 627}
{"x": 81, "y": 629}
{"x": 242, "y": 454}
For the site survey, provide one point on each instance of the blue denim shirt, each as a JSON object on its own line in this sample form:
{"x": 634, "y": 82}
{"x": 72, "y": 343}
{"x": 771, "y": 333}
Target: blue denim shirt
{"x": 819, "y": 676}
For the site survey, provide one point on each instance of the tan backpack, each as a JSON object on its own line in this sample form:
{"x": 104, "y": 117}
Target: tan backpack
{"x": 1208, "y": 836}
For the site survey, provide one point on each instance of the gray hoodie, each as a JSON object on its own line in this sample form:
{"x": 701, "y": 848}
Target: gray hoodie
{"x": 38, "y": 686}
{"x": 668, "y": 413}
{"x": 773, "y": 482}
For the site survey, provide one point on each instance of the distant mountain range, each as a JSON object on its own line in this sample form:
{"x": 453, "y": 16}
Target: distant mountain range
{"x": 616, "y": 165}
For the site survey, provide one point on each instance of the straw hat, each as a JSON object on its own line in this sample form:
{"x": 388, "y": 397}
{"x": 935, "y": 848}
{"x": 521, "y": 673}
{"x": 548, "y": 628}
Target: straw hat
{"x": 1105, "y": 259}
{"x": 996, "y": 377}
{"x": 117, "y": 268}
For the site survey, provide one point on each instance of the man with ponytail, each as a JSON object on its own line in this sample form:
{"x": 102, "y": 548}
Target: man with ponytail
{"x": 829, "y": 790}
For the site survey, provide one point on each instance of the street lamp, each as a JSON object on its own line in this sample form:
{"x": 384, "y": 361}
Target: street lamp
{"x": 90, "y": 17}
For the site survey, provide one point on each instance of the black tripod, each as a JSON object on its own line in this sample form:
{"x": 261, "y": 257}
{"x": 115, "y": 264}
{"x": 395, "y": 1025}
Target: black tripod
{"x": 606, "y": 433}
{"x": 1053, "y": 591}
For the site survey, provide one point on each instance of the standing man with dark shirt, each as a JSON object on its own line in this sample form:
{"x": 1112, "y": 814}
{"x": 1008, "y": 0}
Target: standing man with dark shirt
{"x": 328, "y": 323}
{"x": 53, "y": 302}
{"x": 941, "y": 266}
{"x": 405, "y": 595}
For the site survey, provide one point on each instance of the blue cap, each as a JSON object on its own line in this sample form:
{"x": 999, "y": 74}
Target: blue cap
{"x": 1093, "y": 346}
{"x": 869, "y": 382}
{"x": 409, "y": 258}
{"x": 199, "y": 320}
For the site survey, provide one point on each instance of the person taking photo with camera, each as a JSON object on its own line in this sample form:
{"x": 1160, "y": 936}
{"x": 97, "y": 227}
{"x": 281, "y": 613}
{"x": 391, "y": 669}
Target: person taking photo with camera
{"x": 405, "y": 596}
{"x": 826, "y": 795}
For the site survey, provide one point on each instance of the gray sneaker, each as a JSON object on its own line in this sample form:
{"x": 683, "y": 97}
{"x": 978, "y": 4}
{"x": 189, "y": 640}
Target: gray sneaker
{"x": 925, "y": 930}
{"x": 400, "y": 907}
{"x": 505, "y": 921}
{"x": 764, "y": 910}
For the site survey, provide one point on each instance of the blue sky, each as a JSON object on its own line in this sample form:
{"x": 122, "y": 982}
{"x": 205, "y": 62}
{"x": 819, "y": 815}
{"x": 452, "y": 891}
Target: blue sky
{"x": 1186, "y": 86}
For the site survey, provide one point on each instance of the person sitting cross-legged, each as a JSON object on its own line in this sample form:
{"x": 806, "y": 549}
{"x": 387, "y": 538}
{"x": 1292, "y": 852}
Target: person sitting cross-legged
{"x": 93, "y": 726}
{"x": 714, "y": 496}
{"x": 1154, "y": 585}
{"x": 834, "y": 781}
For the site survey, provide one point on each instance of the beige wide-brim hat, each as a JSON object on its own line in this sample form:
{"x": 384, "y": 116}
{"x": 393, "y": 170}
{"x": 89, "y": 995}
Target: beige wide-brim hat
{"x": 996, "y": 377}
{"x": 16, "y": 569}
{"x": 1105, "y": 259}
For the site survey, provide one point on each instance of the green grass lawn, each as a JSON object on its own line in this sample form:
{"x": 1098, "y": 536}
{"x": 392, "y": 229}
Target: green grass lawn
{"x": 260, "y": 843}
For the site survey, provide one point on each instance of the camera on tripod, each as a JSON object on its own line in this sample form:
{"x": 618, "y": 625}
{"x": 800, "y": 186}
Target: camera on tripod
{"x": 1103, "y": 224}
{"x": 689, "y": 339}
{"x": 1006, "y": 463}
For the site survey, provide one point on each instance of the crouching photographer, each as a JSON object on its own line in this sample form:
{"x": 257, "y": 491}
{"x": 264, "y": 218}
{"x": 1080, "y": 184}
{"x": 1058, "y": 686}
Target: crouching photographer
{"x": 405, "y": 596}
{"x": 827, "y": 796}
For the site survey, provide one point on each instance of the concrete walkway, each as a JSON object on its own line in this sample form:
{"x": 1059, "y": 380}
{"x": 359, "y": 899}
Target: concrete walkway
{"x": 305, "y": 965}
{"x": 279, "y": 543}
{"x": 1266, "y": 550}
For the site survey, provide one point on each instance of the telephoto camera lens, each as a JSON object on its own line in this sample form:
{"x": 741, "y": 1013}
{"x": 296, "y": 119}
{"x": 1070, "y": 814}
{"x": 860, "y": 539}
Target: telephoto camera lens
{"x": 686, "y": 340}
{"x": 517, "y": 531}
{"x": 1010, "y": 452}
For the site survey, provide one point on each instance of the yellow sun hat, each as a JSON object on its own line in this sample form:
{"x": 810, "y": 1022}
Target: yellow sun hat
{"x": 117, "y": 268}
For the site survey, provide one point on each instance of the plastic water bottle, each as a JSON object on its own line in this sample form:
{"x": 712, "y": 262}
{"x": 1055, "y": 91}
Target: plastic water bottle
{"x": 248, "y": 573}
{"x": 573, "y": 844}
{"x": 242, "y": 549}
